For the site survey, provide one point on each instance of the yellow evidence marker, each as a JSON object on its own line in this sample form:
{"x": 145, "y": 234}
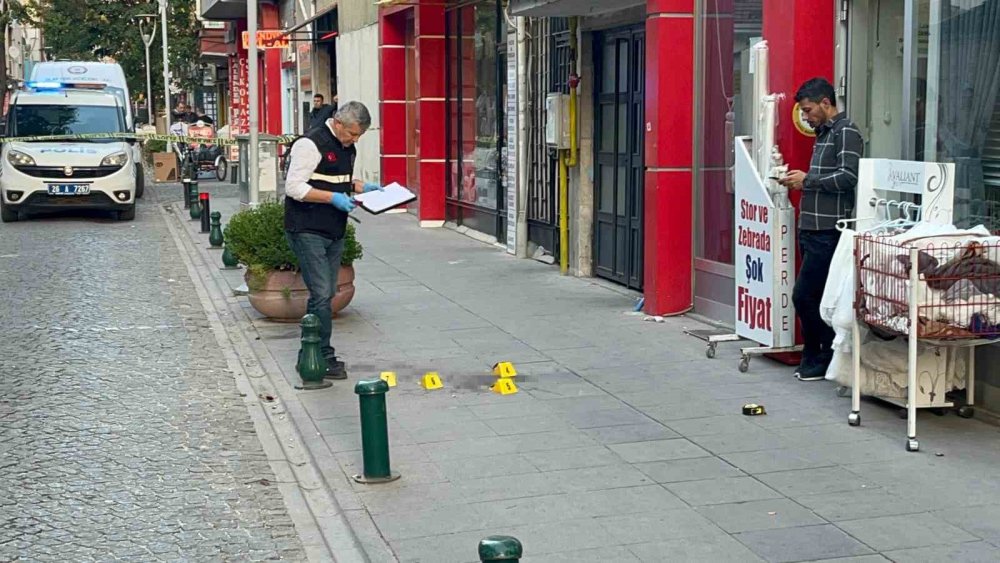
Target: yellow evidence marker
{"x": 504, "y": 369}
{"x": 504, "y": 386}
{"x": 431, "y": 380}
{"x": 389, "y": 377}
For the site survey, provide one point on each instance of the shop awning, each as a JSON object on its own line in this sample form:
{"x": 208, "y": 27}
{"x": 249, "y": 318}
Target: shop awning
{"x": 555, "y": 8}
{"x": 290, "y": 32}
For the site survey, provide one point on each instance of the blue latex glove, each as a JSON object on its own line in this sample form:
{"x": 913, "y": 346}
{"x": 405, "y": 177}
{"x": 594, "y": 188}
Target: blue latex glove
{"x": 370, "y": 187}
{"x": 342, "y": 202}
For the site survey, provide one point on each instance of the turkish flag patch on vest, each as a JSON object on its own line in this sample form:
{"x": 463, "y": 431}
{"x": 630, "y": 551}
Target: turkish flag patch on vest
{"x": 331, "y": 157}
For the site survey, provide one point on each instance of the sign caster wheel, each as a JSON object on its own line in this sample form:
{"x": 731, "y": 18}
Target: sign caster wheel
{"x": 854, "y": 419}
{"x": 966, "y": 411}
{"x": 912, "y": 445}
{"x": 744, "y": 364}
{"x": 710, "y": 351}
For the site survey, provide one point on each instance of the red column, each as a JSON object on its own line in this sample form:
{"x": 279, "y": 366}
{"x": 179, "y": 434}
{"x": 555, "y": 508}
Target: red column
{"x": 270, "y": 74}
{"x": 669, "y": 193}
{"x": 800, "y": 37}
{"x": 392, "y": 58}
{"x": 431, "y": 122}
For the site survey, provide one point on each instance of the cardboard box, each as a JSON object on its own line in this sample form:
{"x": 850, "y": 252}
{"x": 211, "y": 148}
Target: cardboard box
{"x": 165, "y": 167}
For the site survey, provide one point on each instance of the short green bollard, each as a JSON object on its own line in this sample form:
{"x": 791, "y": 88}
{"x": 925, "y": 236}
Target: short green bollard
{"x": 215, "y": 235}
{"x": 311, "y": 365}
{"x": 195, "y": 211}
{"x": 374, "y": 432}
{"x": 192, "y": 193}
{"x": 229, "y": 261}
{"x": 500, "y": 548}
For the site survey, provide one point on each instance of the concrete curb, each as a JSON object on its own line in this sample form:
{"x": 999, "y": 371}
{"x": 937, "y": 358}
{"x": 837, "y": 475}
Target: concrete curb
{"x": 294, "y": 448}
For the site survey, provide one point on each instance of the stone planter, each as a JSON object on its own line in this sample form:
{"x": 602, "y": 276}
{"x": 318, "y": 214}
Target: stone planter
{"x": 345, "y": 289}
{"x": 282, "y": 297}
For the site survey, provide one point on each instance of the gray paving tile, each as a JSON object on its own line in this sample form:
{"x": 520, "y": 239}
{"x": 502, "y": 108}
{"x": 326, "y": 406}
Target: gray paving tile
{"x": 608, "y": 417}
{"x": 722, "y": 491}
{"x": 760, "y": 515}
{"x": 711, "y": 425}
{"x": 749, "y": 440}
{"x": 658, "y": 450}
{"x": 521, "y": 405}
{"x": 694, "y": 469}
{"x": 769, "y": 461}
{"x": 592, "y": 456}
{"x": 631, "y": 433}
{"x": 609, "y": 554}
{"x": 977, "y": 552}
{"x": 460, "y": 547}
{"x": 863, "y": 503}
{"x": 686, "y": 410}
{"x": 709, "y": 549}
{"x": 900, "y": 532}
{"x": 981, "y": 521}
{"x": 527, "y": 425}
{"x": 816, "y": 481}
{"x": 451, "y": 431}
{"x": 588, "y": 403}
{"x": 802, "y": 544}
{"x": 563, "y": 536}
{"x": 858, "y": 559}
{"x": 659, "y": 526}
{"x": 479, "y": 467}
{"x": 598, "y": 478}
{"x": 397, "y": 526}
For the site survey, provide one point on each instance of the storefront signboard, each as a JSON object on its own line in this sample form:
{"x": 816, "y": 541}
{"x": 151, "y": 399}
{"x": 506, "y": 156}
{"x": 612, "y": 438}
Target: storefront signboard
{"x": 511, "y": 164}
{"x": 764, "y": 259}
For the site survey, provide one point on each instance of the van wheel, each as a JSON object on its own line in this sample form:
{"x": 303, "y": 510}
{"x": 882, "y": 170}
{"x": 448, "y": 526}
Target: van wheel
{"x": 140, "y": 181}
{"x": 8, "y": 216}
{"x": 128, "y": 214}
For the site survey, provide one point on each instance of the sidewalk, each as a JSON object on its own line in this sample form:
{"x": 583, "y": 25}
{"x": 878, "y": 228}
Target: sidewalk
{"x": 624, "y": 443}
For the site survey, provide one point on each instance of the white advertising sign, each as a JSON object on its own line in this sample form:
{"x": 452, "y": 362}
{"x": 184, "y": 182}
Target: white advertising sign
{"x": 511, "y": 169}
{"x": 764, "y": 260}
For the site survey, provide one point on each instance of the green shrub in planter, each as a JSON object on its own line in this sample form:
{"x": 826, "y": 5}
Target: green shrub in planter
{"x": 256, "y": 237}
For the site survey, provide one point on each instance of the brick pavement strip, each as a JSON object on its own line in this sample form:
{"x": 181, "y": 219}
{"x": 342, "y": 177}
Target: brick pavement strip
{"x": 123, "y": 433}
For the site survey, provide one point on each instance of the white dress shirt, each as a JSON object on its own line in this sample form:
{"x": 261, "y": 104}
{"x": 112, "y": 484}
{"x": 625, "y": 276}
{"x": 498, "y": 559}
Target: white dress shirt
{"x": 304, "y": 159}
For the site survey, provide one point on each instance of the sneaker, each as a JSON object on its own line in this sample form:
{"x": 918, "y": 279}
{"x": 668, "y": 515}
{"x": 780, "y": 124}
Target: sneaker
{"x": 335, "y": 369}
{"x": 807, "y": 363}
{"x": 814, "y": 372}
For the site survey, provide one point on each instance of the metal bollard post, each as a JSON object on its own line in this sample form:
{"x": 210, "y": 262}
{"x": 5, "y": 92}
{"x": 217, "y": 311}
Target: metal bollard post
{"x": 374, "y": 432}
{"x": 215, "y": 236}
{"x": 229, "y": 261}
{"x": 186, "y": 186}
{"x": 205, "y": 217}
{"x": 500, "y": 548}
{"x": 311, "y": 365}
{"x": 193, "y": 191}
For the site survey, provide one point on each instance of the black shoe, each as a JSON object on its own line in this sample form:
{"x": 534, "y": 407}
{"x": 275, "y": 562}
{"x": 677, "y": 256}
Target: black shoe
{"x": 808, "y": 362}
{"x": 335, "y": 369}
{"x": 814, "y": 372}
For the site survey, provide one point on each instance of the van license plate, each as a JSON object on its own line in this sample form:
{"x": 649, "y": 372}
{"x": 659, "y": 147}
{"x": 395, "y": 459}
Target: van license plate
{"x": 69, "y": 189}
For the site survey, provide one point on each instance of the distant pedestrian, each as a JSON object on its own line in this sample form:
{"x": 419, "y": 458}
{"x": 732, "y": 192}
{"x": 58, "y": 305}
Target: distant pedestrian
{"x": 319, "y": 192}
{"x": 320, "y": 112}
{"x": 828, "y": 195}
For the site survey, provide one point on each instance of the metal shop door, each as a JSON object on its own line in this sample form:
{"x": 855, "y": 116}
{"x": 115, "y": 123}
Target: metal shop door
{"x": 618, "y": 143}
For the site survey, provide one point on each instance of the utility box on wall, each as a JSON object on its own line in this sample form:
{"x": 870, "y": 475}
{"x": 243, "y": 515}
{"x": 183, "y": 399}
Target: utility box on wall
{"x": 557, "y": 121}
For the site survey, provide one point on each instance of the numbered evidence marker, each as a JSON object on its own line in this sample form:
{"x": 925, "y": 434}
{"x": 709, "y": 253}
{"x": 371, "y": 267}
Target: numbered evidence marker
{"x": 431, "y": 380}
{"x": 504, "y": 369}
{"x": 389, "y": 377}
{"x": 504, "y": 386}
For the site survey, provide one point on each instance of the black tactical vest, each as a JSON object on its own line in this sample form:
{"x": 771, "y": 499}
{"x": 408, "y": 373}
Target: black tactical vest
{"x": 332, "y": 174}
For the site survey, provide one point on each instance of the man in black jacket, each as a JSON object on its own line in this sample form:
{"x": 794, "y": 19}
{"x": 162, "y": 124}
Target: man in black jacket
{"x": 320, "y": 112}
{"x": 318, "y": 192}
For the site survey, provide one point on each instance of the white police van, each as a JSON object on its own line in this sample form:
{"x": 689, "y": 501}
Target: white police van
{"x": 85, "y": 173}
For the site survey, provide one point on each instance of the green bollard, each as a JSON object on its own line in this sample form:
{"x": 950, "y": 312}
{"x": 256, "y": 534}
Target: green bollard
{"x": 500, "y": 548}
{"x": 215, "y": 235}
{"x": 195, "y": 211}
{"x": 374, "y": 432}
{"x": 229, "y": 262}
{"x": 192, "y": 193}
{"x": 311, "y": 365}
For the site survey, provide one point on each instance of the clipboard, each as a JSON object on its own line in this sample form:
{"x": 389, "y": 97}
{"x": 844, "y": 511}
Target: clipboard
{"x": 391, "y": 197}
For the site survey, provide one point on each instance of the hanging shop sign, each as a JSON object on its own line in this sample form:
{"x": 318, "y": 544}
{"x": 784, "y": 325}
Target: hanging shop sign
{"x": 268, "y": 39}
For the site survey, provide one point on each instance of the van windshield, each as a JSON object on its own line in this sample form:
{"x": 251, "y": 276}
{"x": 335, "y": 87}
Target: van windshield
{"x": 42, "y": 120}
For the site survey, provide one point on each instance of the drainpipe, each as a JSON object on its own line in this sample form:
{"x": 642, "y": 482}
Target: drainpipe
{"x": 569, "y": 158}
{"x": 522, "y": 139}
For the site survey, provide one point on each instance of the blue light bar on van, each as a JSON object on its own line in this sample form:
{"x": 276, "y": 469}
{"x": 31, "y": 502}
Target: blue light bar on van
{"x": 44, "y": 85}
{"x": 56, "y": 85}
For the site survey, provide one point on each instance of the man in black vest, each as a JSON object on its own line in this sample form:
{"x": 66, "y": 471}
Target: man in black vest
{"x": 319, "y": 192}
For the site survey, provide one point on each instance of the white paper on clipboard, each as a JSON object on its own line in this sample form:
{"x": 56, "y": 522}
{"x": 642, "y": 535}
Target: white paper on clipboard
{"x": 392, "y": 196}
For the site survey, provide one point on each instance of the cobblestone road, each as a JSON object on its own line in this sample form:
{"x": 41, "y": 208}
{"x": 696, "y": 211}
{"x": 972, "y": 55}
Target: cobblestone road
{"x": 122, "y": 435}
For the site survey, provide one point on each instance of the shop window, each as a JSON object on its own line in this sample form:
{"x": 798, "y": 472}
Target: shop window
{"x": 729, "y": 27}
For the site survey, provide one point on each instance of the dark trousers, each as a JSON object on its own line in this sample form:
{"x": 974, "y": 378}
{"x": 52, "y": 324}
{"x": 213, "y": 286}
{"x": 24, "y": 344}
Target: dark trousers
{"x": 319, "y": 260}
{"x": 817, "y": 249}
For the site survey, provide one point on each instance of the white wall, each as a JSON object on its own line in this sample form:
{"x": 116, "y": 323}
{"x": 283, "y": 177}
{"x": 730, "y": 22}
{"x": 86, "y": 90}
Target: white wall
{"x": 358, "y": 80}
